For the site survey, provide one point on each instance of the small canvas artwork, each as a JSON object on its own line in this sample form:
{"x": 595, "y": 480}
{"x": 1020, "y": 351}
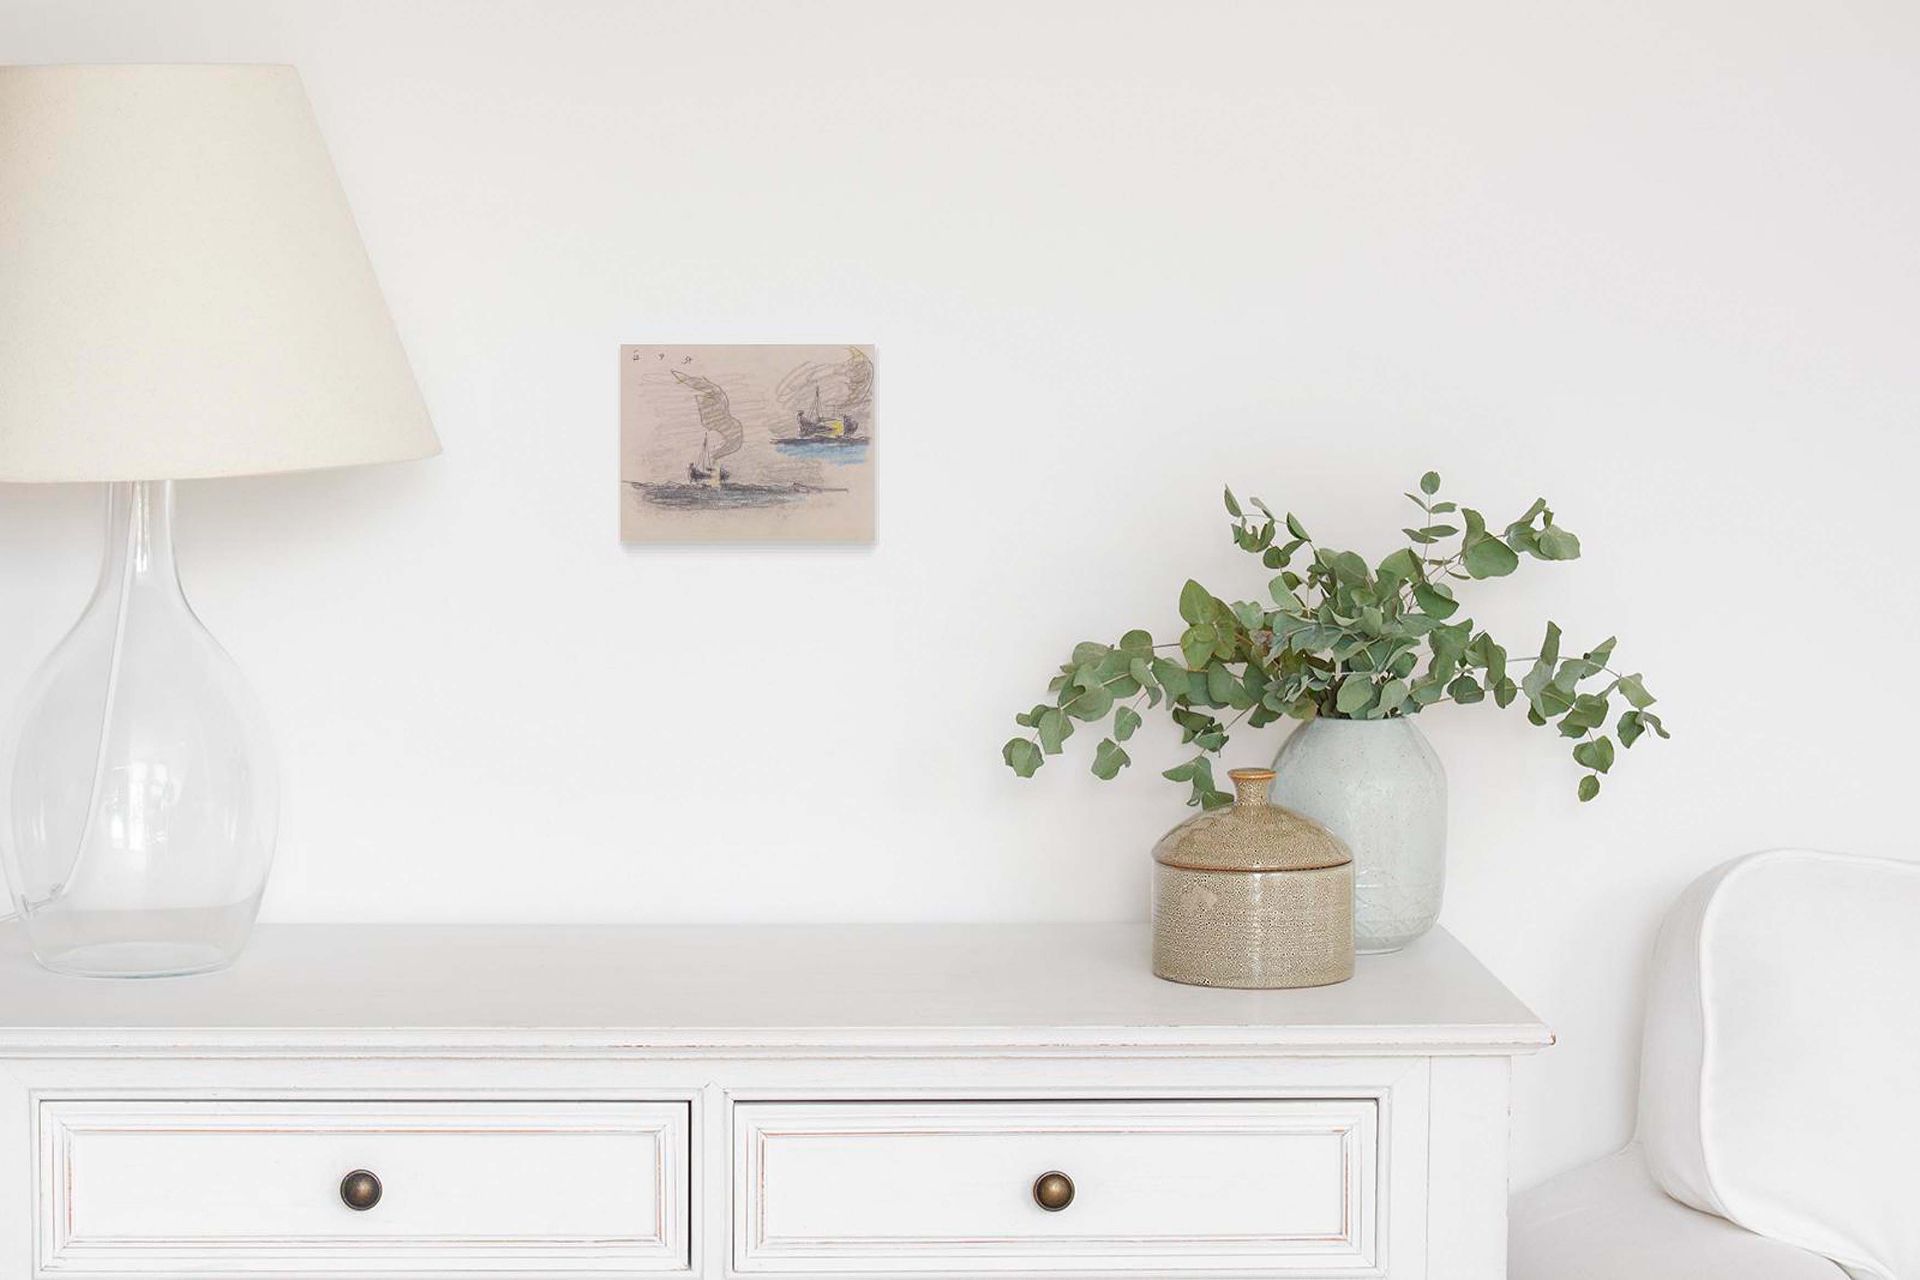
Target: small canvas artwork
{"x": 746, "y": 444}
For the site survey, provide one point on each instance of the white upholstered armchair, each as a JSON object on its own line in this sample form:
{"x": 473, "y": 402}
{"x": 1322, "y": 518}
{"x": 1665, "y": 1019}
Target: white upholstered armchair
{"x": 1779, "y": 1134}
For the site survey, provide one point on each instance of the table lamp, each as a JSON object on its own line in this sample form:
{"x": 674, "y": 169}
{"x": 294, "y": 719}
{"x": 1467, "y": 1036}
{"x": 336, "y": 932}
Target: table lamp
{"x": 183, "y": 294}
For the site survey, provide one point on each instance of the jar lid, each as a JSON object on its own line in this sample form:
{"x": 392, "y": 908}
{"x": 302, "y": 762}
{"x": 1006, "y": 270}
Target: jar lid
{"x": 1251, "y": 834}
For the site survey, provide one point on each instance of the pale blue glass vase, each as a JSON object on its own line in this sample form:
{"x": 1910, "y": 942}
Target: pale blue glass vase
{"x": 141, "y": 793}
{"x": 1378, "y": 785}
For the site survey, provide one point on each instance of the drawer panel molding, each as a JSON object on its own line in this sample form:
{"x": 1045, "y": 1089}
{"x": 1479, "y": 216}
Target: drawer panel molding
{"x": 206, "y": 1188}
{"x": 1271, "y": 1187}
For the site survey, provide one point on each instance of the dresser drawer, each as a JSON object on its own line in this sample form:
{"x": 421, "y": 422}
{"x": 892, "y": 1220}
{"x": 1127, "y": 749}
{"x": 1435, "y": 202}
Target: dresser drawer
{"x": 211, "y": 1188}
{"x": 1269, "y": 1187}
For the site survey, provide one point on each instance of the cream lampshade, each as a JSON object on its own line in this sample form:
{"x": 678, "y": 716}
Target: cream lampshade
{"x": 182, "y": 289}
{"x": 183, "y": 293}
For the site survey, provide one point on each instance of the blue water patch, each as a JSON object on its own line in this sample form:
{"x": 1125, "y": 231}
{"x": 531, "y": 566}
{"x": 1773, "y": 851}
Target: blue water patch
{"x": 841, "y": 452}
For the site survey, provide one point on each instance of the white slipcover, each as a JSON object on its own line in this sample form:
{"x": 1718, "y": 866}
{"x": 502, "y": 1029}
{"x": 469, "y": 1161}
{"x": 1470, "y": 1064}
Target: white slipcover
{"x": 1780, "y": 1086}
{"x": 1608, "y": 1221}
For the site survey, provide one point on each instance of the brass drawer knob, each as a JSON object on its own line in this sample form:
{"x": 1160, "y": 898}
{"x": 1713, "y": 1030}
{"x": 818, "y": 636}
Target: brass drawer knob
{"x": 360, "y": 1190}
{"x": 1053, "y": 1191}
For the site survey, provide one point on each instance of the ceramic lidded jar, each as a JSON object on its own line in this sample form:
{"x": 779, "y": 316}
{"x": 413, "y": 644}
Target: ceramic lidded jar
{"x": 1252, "y": 895}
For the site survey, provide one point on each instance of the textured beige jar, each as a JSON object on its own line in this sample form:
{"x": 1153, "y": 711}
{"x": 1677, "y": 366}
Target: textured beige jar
{"x": 1252, "y": 895}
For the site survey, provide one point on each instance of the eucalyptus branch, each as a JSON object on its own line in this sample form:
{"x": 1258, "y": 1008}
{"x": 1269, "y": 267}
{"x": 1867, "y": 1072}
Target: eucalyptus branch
{"x": 1344, "y": 639}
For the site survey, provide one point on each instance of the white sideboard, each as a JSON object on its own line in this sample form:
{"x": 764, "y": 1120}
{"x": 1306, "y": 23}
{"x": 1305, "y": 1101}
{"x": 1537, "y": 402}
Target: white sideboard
{"x": 926, "y": 1101}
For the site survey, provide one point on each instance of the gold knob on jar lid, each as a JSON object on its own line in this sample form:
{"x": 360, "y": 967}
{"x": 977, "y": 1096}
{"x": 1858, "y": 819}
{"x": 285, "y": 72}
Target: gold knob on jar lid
{"x": 1053, "y": 1191}
{"x": 360, "y": 1190}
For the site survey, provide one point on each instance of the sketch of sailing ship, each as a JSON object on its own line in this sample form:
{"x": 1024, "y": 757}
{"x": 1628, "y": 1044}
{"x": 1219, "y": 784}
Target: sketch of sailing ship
{"x": 746, "y": 443}
{"x": 839, "y": 428}
{"x": 836, "y": 405}
{"x": 721, "y": 432}
{"x": 710, "y": 484}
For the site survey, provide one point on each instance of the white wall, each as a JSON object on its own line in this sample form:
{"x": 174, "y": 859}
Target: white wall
{"x": 1654, "y": 260}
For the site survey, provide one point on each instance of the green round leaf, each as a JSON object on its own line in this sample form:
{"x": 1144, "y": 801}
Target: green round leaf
{"x": 1197, "y": 644}
{"x": 1596, "y": 755}
{"x": 1356, "y": 692}
{"x": 1021, "y": 756}
{"x": 1555, "y": 543}
{"x": 1490, "y": 558}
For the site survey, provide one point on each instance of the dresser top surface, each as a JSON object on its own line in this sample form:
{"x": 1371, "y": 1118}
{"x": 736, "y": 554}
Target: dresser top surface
{"x": 1052, "y": 987}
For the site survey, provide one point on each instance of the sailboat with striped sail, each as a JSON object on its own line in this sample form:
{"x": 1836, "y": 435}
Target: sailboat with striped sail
{"x": 721, "y": 432}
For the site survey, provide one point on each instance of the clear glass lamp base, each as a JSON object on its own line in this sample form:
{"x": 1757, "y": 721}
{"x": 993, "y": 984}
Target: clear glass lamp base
{"x": 140, "y": 791}
{"x": 145, "y": 944}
